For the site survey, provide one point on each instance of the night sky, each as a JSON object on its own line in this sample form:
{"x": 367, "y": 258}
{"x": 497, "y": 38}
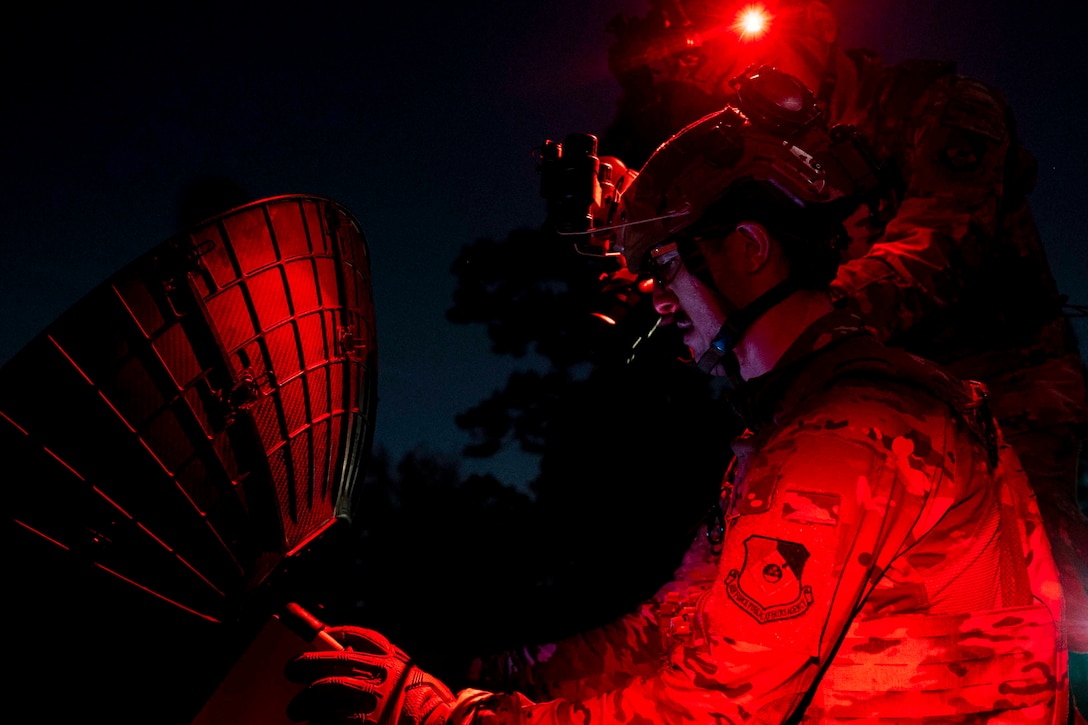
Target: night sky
{"x": 421, "y": 119}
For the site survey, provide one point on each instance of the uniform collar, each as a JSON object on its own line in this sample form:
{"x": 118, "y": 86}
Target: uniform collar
{"x": 806, "y": 365}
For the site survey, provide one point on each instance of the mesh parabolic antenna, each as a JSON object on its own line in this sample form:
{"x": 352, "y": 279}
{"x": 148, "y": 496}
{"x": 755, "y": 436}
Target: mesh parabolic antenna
{"x": 202, "y": 416}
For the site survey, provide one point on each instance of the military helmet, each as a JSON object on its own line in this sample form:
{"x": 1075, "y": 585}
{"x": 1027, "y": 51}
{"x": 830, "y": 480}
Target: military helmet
{"x": 777, "y": 164}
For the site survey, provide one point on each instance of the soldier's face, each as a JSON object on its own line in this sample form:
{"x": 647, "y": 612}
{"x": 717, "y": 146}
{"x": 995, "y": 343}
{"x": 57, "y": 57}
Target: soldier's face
{"x": 684, "y": 301}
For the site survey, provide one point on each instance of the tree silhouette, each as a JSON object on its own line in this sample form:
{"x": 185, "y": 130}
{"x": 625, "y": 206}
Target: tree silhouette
{"x": 632, "y": 444}
{"x": 632, "y": 448}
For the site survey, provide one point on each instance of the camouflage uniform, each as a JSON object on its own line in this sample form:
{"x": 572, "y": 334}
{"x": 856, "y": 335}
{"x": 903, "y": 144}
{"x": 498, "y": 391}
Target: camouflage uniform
{"x": 959, "y": 275}
{"x": 875, "y": 565}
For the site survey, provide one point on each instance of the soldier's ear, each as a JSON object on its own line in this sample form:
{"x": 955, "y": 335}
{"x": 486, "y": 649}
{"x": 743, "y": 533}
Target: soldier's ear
{"x": 757, "y": 245}
{"x": 821, "y": 22}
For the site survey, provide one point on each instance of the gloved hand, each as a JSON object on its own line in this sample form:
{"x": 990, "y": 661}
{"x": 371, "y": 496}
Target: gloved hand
{"x": 370, "y": 681}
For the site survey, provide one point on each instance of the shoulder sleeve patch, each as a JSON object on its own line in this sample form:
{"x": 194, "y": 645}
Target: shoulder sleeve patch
{"x": 769, "y": 585}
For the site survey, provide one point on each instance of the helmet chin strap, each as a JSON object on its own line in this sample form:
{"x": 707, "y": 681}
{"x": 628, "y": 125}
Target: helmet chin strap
{"x": 733, "y": 329}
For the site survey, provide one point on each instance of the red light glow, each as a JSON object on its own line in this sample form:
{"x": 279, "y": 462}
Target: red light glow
{"x": 752, "y": 22}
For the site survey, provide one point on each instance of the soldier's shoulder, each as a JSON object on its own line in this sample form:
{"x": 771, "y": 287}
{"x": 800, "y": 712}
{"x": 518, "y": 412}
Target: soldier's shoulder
{"x": 860, "y": 406}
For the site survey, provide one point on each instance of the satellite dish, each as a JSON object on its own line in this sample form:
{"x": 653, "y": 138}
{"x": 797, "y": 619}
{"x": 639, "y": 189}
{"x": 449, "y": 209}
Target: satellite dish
{"x": 178, "y": 440}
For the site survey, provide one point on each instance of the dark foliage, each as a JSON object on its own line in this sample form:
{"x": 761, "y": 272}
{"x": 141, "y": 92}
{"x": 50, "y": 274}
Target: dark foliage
{"x": 436, "y": 557}
{"x": 631, "y": 447}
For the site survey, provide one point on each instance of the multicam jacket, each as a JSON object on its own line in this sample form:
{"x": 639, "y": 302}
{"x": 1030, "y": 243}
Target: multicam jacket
{"x": 952, "y": 269}
{"x": 959, "y": 275}
{"x": 876, "y": 564}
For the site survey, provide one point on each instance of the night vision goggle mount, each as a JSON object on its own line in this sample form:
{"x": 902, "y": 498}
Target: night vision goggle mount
{"x": 582, "y": 189}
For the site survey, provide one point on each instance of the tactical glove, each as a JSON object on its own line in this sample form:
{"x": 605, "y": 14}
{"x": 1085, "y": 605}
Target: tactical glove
{"x": 370, "y": 681}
